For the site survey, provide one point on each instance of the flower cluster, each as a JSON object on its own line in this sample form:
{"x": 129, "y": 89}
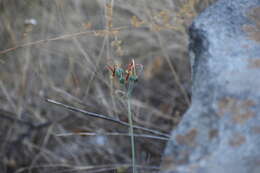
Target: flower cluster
{"x": 127, "y": 75}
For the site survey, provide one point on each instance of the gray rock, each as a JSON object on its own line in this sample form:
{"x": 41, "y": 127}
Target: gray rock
{"x": 220, "y": 133}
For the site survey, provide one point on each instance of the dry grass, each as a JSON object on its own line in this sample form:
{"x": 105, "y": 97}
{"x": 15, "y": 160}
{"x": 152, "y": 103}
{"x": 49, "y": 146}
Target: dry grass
{"x": 64, "y": 56}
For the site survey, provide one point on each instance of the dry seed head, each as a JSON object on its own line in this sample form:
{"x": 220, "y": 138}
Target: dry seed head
{"x": 136, "y": 22}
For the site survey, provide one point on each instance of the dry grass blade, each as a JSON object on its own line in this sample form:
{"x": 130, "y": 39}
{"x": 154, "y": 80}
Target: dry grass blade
{"x": 112, "y": 134}
{"x": 89, "y": 168}
{"x": 62, "y": 37}
{"x": 92, "y": 114}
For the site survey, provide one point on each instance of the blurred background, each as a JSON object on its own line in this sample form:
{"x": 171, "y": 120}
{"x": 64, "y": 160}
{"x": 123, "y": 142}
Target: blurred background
{"x": 60, "y": 49}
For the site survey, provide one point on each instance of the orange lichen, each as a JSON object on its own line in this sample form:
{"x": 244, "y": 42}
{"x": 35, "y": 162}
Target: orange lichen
{"x": 240, "y": 110}
{"x": 253, "y": 31}
{"x": 243, "y": 117}
{"x": 237, "y": 140}
{"x": 226, "y": 105}
{"x": 189, "y": 139}
{"x": 256, "y": 129}
{"x": 254, "y": 63}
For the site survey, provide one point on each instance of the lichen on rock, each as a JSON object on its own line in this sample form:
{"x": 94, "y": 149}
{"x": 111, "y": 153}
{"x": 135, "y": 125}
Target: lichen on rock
{"x": 220, "y": 132}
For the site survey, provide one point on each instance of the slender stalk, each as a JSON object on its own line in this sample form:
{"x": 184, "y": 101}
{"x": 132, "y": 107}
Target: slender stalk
{"x": 131, "y": 131}
{"x": 131, "y": 125}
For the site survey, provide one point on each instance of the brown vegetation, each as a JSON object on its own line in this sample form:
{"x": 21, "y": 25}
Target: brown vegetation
{"x": 59, "y": 49}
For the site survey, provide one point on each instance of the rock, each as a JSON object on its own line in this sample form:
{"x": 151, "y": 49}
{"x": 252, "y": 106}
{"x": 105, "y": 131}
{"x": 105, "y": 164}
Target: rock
{"x": 220, "y": 133}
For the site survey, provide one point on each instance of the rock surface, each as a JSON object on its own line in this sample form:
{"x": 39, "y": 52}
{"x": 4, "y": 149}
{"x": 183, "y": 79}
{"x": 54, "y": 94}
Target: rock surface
{"x": 220, "y": 133}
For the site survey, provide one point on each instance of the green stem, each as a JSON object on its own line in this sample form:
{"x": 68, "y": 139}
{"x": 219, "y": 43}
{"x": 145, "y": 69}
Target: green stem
{"x": 131, "y": 131}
